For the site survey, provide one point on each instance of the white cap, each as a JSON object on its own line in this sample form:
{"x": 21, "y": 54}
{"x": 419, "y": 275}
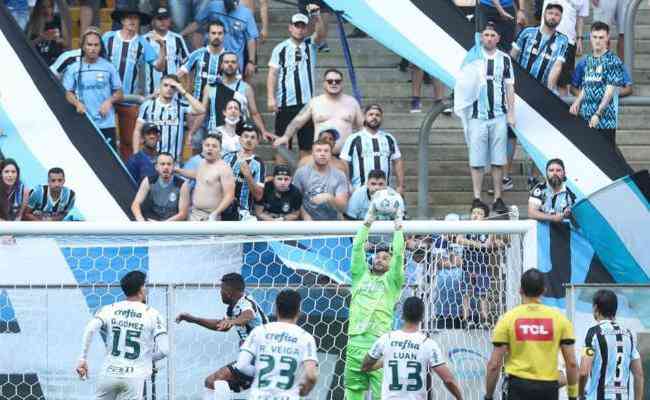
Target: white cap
{"x": 299, "y": 17}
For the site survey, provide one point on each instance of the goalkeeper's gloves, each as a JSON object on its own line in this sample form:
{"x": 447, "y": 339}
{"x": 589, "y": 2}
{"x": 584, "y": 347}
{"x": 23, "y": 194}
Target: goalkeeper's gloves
{"x": 371, "y": 215}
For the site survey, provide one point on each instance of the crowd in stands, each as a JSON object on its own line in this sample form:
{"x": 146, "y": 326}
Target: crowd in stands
{"x": 183, "y": 56}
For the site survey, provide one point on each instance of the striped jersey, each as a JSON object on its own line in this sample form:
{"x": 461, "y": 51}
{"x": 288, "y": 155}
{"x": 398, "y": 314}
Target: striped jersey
{"x": 613, "y": 349}
{"x": 296, "y": 66}
{"x": 15, "y": 200}
{"x": 538, "y": 52}
{"x": 65, "y": 59}
{"x": 364, "y": 152}
{"x": 243, "y": 194}
{"x": 239, "y": 87}
{"x": 177, "y": 53}
{"x": 128, "y": 56}
{"x": 246, "y": 303}
{"x": 497, "y": 72}
{"x": 42, "y": 203}
{"x": 170, "y": 118}
{"x": 205, "y": 66}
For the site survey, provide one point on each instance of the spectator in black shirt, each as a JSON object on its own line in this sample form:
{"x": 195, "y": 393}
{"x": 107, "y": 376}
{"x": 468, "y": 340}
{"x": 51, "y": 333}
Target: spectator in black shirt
{"x": 281, "y": 200}
{"x": 46, "y": 30}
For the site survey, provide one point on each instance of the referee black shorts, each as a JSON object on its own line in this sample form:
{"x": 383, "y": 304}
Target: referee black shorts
{"x": 568, "y": 66}
{"x": 527, "y": 389}
{"x": 305, "y": 135}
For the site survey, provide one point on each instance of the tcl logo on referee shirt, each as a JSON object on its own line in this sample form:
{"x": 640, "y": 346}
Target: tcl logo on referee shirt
{"x": 534, "y": 329}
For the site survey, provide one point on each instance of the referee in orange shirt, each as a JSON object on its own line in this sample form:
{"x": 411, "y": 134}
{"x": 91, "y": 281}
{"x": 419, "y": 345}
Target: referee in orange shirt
{"x": 528, "y": 337}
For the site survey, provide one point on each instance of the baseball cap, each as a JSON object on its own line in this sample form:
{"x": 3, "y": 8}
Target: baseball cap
{"x": 299, "y": 17}
{"x": 331, "y": 130}
{"x": 282, "y": 169}
{"x": 491, "y": 26}
{"x": 162, "y": 12}
{"x": 147, "y": 127}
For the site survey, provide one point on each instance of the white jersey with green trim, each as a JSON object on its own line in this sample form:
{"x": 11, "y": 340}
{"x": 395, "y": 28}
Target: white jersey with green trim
{"x": 130, "y": 329}
{"x": 408, "y": 357}
{"x": 279, "y": 350}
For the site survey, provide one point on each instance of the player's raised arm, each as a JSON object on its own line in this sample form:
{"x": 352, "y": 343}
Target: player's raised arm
{"x": 358, "y": 265}
{"x": 396, "y": 270}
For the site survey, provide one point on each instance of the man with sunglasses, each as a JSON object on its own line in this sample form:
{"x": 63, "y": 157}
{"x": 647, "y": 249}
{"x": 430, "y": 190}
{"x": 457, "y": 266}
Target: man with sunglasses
{"x": 332, "y": 109}
{"x": 290, "y": 82}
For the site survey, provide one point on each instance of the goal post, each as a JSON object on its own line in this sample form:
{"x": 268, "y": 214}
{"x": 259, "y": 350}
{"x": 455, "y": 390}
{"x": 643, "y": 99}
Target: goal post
{"x": 57, "y": 275}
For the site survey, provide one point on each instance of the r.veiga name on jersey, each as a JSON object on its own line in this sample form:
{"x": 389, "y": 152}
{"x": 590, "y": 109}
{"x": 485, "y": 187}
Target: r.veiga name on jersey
{"x": 279, "y": 349}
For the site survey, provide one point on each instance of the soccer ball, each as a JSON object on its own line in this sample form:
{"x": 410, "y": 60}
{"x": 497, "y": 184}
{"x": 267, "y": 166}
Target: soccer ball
{"x": 387, "y": 203}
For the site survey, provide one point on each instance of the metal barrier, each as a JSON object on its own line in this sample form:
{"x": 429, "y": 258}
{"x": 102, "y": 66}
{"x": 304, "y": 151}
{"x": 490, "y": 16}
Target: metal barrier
{"x": 630, "y": 20}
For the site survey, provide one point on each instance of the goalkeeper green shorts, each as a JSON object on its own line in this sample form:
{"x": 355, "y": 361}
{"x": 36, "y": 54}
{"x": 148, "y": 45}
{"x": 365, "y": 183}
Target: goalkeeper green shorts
{"x": 357, "y": 382}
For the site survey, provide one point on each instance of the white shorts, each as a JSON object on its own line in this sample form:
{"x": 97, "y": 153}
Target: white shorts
{"x": 488, "y": 142}
{"x": 116, "y": 388}
{"x": 611, "y": 12}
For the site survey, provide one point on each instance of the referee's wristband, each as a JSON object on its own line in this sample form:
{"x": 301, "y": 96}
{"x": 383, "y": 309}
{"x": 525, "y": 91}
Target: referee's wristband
{"x": 572, "y": 390}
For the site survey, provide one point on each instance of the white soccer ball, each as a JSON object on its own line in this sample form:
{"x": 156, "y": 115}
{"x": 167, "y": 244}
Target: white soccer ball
{"x": 387, "y": 203}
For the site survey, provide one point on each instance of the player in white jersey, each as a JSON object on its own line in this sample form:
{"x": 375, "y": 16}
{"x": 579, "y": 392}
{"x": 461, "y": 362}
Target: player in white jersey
{"x": 243, "y": 314}
{"x": 136, "y": 337}
{"x": 286, "y": 363}
{"x": 408, "y": 356}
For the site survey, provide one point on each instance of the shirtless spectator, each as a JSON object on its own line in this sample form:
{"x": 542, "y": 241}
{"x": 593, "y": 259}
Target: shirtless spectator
{"x": 331, "y": 109}
{"x": 215, "y": 185}
{"x": 324, "y": 188}
{"x": 163, "y": 196}
{"x": 281, "y": 200}
{"x": 329, "y": 135}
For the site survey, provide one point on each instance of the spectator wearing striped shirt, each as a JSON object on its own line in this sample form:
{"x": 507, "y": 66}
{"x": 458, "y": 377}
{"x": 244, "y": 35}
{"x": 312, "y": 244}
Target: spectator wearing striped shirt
{"x": 51, "y": 202}
{"x": 610, "y": 356}
{"x": 542, "y": 50}
{"x": 168, "y": 111}
{"x": 127, "y": 50}
{"x": 491, "y": 114}
{"x": 93, "y": 86}
{"x": 203, "y": 64}
{"x": 175, "y": 50}
{"x": 248, "y": 170}
{"x": 244, "y": 92}
{"x": 370, "y": 149}
{"x": 290, "y": 82}
{"x": 240, "y": 28}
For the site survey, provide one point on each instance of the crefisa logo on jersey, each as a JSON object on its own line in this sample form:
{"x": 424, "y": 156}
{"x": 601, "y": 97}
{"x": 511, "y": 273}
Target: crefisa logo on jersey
{"x": 468, "y": 364}
{"x": 534, "y": 329}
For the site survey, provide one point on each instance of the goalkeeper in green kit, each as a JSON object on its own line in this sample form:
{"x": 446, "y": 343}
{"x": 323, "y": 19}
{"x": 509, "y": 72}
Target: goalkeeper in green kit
{"x": 376, "y": 288}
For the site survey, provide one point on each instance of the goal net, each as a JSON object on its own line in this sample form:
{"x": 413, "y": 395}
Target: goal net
{"x": 52, "y": 284}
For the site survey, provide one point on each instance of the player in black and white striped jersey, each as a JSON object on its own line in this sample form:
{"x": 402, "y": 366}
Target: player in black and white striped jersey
{"x": 167, "y": 111}
{"x": 243, "y": 315}
{"x": 176, "y": 53}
